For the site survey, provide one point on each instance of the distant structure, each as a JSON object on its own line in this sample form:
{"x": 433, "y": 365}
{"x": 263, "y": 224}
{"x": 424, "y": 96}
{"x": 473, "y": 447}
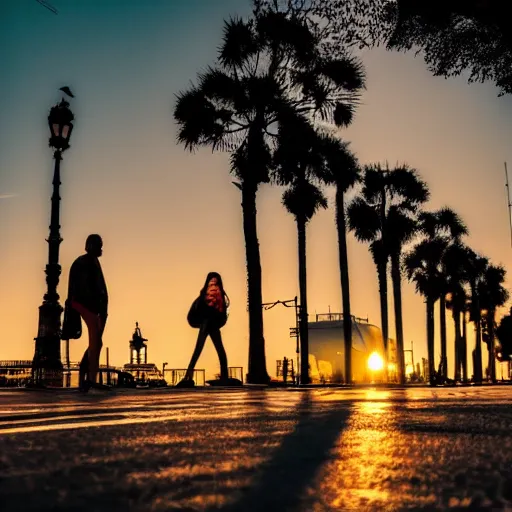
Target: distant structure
{"x": 145, "y": 374}
{"x": 327, "y": 351}
{"x": 137, "y": 344}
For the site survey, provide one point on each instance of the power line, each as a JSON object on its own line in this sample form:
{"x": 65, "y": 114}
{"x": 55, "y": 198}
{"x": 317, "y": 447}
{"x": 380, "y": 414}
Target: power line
{"x": 48, "y": 6}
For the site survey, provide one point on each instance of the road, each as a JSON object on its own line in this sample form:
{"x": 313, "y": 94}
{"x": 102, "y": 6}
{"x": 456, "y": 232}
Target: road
{"x": 257, "y": 450}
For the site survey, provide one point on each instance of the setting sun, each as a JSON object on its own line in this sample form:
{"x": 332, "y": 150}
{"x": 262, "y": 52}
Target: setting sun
{"x": 375, "y": 362}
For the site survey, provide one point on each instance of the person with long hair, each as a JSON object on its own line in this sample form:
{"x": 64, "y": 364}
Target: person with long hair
{"x": 211, "y": 307}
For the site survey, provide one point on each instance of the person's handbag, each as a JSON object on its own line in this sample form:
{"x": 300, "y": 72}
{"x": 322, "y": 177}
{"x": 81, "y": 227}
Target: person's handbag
{"x": 72, "y": 324}
{"x": 196, "y": 313}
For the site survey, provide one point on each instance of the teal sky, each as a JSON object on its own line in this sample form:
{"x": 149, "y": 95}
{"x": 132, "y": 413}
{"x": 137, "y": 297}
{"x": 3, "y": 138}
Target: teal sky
{"x": 167, "y": 216}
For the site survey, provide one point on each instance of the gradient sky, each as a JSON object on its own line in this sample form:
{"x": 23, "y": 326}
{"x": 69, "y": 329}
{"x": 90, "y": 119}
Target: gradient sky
{"x": 168, "y": 217}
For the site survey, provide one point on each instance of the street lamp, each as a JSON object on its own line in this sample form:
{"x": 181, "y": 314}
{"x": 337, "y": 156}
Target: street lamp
{"x": 47, "y": 364}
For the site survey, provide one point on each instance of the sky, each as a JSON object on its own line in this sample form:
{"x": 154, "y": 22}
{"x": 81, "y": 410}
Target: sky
{"x": 168, "y": 216}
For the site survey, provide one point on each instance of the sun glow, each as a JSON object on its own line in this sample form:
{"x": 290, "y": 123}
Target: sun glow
{"x": 375, "y": 362}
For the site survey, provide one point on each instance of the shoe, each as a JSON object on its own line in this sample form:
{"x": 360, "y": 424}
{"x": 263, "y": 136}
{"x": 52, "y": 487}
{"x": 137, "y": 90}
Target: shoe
{"x": 185, "y": 383}
{"x": 225, "y": 382}
{"x": 231, "y": 382}
{"x": 84, "y": 386}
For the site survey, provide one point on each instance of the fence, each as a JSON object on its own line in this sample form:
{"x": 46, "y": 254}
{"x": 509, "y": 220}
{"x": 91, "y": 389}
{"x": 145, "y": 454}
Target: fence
{"x": 173, "y": 375}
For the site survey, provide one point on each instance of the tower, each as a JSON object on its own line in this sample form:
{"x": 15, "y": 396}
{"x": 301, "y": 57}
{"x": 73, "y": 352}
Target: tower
{"x": 137, "y": 343}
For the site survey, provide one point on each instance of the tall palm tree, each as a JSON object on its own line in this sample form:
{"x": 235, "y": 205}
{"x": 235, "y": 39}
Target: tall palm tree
{"x": 455, "y": 265}
{"x": 477, "y": 266}
{"x": 422, "y": 267}
{"x": 302, "y": 200}
{"x": 492, "y": 296}
{"x": 270, "y": 69}
{"x": 448, "y": 226}
{"x": 384, "y": 215}
{"x": 342, "y": 171}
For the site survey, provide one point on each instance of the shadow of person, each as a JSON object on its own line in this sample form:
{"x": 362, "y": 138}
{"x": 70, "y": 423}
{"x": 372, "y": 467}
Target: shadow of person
{"x": 294, "y": 464}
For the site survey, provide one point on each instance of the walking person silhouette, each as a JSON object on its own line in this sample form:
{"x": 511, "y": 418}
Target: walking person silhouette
{"x": 87, "y": 294}
{"x": 209, "y": 314}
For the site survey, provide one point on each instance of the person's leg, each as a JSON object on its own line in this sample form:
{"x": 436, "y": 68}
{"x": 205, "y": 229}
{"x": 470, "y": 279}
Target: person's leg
{"x": 83, "y": 369}
{"x": 95, "y": 328}
{"x": 219, "y": 347}
{"x": 201, "y": 338}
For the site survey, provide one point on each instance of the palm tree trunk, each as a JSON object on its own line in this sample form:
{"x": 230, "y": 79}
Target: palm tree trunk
{"x": 303, "y": 311}
{"x": 477, "y": 370}
{"x": 396, "y": 278}
{"x": 442, "y": 324}
{"x": 430, "y": 341}
{"x": 458, "y": 343}
{"x": 257, "y": 372}
{"x": 383, "y": 295}
{"x": 490, "y": 346}
{"x": 464, "y": 347}
{"x": 345, "y": 284}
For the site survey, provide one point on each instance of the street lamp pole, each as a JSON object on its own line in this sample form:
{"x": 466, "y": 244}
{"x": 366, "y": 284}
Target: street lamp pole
{"x": 47, "y": 369}
{"x": 294, "y": 332}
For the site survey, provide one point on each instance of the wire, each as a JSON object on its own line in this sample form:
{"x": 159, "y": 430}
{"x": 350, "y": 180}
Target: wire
{"x": 48, "y": 6}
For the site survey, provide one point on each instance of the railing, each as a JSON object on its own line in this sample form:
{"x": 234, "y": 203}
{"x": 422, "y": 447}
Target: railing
{"x": 236, "y": 372}
{"x": 337, "y": 317}
{"x": 178, "y": 374}
{"x": 16, "y": 364}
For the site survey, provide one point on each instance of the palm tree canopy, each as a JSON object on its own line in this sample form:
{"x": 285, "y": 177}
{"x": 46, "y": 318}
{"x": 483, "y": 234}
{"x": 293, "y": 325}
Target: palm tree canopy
{"x": 443, "y": 222}
{"x": 492, "y": 294}
{"x": 387, "y": 205}
{"x": 456, "y": 267}
{"x": 363, "y": 220}
{"x": 270, "y": 69}
{"x": 341, "y": 165}
{"x": 421, "y": 266}
{"x": 303, "y": 199}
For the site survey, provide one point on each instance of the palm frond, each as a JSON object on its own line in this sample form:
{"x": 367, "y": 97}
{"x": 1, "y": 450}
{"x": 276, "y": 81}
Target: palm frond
{"x": 347, "y": 72}
{"x": 239, "y": 43}
{"x": 406, "y": 182}
{"x": 363, "y": 220}
{"x": 224, "y": 89}
{"x": 197, "y": 119}
{"x": 343, "y": 114}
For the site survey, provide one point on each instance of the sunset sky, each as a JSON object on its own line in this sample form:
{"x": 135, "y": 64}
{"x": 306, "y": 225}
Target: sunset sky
{"x": 167, "y": 216}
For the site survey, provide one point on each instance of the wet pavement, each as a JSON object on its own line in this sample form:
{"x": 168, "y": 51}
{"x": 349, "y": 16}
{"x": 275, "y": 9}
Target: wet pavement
{"x": 257, "y": 450}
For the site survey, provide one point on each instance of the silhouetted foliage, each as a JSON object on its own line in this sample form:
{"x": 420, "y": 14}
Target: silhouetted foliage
{"x": 504, "y": 335}
{"x": 492, "y": 295}
{"x": 424, "y": 265}
{"x": 454, "y": 36}
{"x": 271, "y": 72}
{"x": 384, "y": 214}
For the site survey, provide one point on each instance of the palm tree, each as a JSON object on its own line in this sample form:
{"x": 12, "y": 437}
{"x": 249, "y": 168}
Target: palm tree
{"x": 270, "y": 70}
{"x": 448, "y": 226}
{"x": 342, "y": 171}
{"x": 302, "y": 200}
{"x": 492, "y": 296}
{"x": 422, "y": 267}
{"x": 477, "y": 266}
{"x": 384, "y": 215}
{"x": 455, "y": 268}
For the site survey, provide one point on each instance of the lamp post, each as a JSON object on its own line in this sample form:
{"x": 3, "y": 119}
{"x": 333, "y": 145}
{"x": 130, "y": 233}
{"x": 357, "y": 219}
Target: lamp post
{"x": 47, "y": 365}
{"x": 295, "y": 333}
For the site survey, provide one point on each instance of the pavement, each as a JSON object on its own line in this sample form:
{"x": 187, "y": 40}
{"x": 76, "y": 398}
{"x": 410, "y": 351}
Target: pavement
{"x": 250, "y": 450}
